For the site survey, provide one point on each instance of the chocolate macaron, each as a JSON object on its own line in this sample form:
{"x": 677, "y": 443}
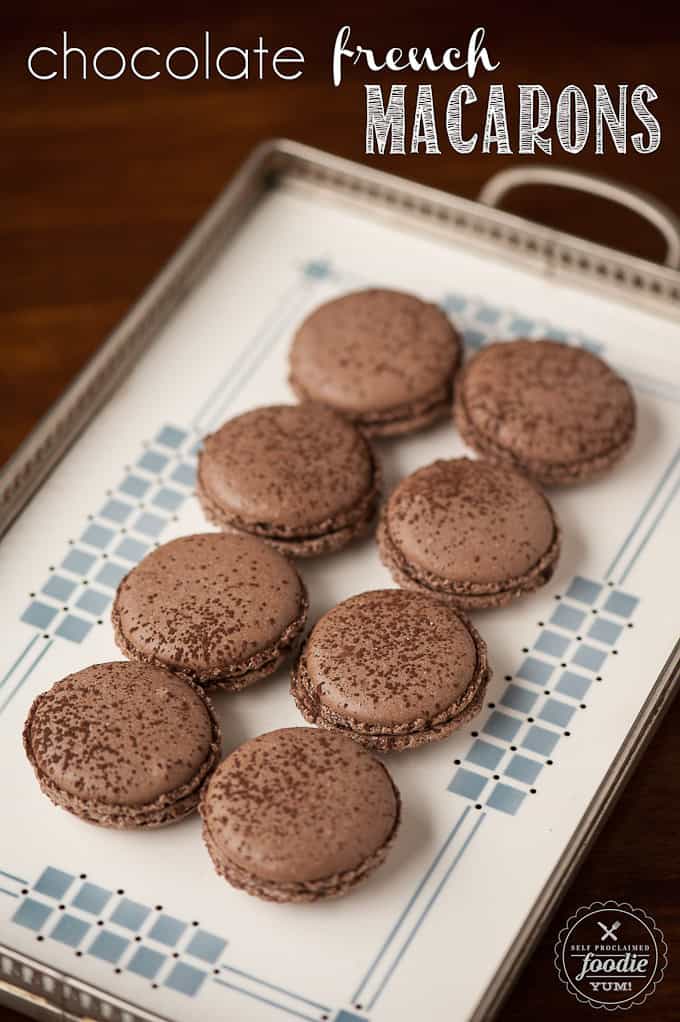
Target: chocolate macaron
{"x": 299, "y": 476}
{"x": 220, "y": 609}
{"x": 123, "y": 744}
{"x": 557, "y": 412}
{"x": 472, "y": 533}
{"x": 298, "y": 815}
{"x": 391, "y": 669}
{"x": 384, "y": 359}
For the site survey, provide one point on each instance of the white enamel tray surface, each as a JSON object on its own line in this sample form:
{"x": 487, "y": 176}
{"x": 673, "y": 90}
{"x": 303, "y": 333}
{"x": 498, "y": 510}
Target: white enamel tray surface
{"x": 489, "y": 814}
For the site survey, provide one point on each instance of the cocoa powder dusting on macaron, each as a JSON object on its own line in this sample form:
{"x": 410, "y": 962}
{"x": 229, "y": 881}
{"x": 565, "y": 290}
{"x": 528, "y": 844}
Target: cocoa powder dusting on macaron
{"x": 392, "y": 669}
{"x": 221, "y": 609}
{"x": 298, "y": 814}
{"x": 556, "y": 411}
{"x": 299, "y": 476}
{"x": 383, "y": 358}
{"x": 123, "y": 744}
{"x": 471, "y": 531}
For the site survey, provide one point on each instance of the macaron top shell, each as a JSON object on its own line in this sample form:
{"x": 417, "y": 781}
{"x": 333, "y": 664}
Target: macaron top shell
{"x": 208, "y": 602}
{"x": 371, "y": 351}
{"x": 120, "y": 733}
{"x": 390, "y": 657}
{"x": 546, "y": 402}
{"x": 298, "y": 805}
{"x": 290, "y": 466}
{"x": 470, "y": 521}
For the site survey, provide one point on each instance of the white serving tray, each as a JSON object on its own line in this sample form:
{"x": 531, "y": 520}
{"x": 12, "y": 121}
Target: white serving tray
{"x": 127, "y": 926}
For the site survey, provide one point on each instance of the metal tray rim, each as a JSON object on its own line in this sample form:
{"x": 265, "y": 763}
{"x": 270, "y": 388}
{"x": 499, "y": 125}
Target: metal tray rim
{"x": 547, "y": 251}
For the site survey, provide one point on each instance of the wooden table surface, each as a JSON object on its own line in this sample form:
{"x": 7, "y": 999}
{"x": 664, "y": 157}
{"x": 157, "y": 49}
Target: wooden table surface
{"x": 101, "y": 180}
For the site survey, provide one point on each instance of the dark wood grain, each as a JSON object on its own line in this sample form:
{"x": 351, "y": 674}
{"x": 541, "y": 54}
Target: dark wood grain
{"x": 100, "y": 181}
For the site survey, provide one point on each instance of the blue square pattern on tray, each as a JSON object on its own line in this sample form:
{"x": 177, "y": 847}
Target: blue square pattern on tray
{"x": 521, "y": 326}
{"x": 485, "y": 754}
{"x": 185, "y": 979}
{"x": 536, "y": 671}
{"x": 102, "y": 529}
{"x": 167, "y": 499}
{"x": 621, "y": 604}
{"x": 185, "y": 475}
{"x": 108, "y": 946}
{"x": 206, "y": 946}
{"x": 153, "y": 461}
{"x": 91, "y": 898}
{"x": 556, "y": 712}
{"x": 58, "y": 587}
{"x": 111, "y": 574}
{"x": 40, "y": 615}
{"x": 32, "y": 914}
{"x": 540, "y": 740}
{"x": 567, "y": 617}
{"x": 93, "y": 602}
{"x": 167, "y": 930}
{"x": 584, "y": 590}
{"x": 473, "y": 339}
{"x": 518, "y": 698}
{"x": 467, "y": 783}
{"x": 97, "y": 535}
{"x": 171, "y": 436}
{"x": 54, "y": 883}
{"x": 553, "y": 707}
{"x": 572, "y": 684}
{"x": 488, "y": 314}
{"x": 500, "y": 725}
{"x": 505, "y": 798}
{"x": 78, "y": 561}
{"x": 149, "y": 524}
{"x": 130, "y": 914}
{"x": 146, "y": 962}
{"x": 69, "y": 930}
{"x": 455, "y": 303}
{"x": 134, "y": 486}
{"x": 73, "y": 628}
{"x": 131, "y": 550}
{"x": 523, "y": 769}
{"x": 589, "y": 657}
{"x": 605, "y": 630}
{"x": 116, "y": 948}
{"x": 116, "y": 511}
{"x": 552, "y": 643}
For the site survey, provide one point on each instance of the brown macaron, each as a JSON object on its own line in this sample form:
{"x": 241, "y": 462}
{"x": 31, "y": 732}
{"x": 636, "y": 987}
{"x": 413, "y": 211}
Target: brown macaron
{"x": 298, "y": 815}
{"x": 220, "y": 609}
{"x": 557, "y": 412}
{"x": 472, "y": 533}
{"x": 384, "y": 359}
{"x": 123, "y": 744}
{"x": 391, "y": 669}
{"x": 299, "y": 476}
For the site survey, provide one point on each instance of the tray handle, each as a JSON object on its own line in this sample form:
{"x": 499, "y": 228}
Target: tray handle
{"x": 659, "y": 215}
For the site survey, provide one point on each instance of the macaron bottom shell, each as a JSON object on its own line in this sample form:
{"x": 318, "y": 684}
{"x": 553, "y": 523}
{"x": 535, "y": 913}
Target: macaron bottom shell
{"x": 219, "y": 609}
{"x": 557, "y": 412}
{"x": 311, "y": 541}
{"x": 466, "y": 596}
{"x": 394, "y": 738}
{"x": 299, "y": 815}
{"x": 235, "y": 678}
{"x": 166, "y": 810}
{"x": 166, "y": 807}
{"x": 543, "y": 472}
{"x": 398, "y": 421}
{"x": 308, "y": 891}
